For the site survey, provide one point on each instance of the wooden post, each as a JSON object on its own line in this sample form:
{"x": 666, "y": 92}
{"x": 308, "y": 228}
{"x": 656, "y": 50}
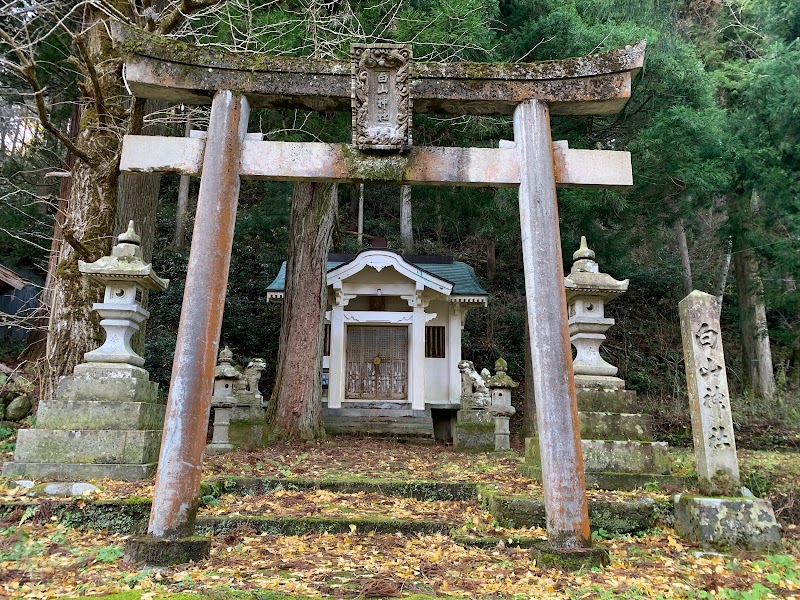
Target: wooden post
{"x": 184, "y": 438}
{"x": 556, "y": 405}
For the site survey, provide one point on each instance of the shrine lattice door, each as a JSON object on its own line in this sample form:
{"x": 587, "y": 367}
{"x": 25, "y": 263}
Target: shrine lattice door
{"x": 377, "y": 363}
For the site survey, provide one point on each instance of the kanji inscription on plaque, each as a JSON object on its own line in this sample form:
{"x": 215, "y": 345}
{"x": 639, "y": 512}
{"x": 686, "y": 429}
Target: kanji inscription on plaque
{"x": 381, "y": 99}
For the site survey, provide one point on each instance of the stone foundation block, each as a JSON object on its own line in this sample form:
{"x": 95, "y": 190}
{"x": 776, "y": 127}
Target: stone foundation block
{"x": 625, "y": 457}
{"x": 72, "y": 471}
{"x": 155, "y": 552}
{"x": 474, "y": 431}
{"x": 612, "y": 401}
{"x": 616, "y": 426}
{"x": 80, "y": 446}
{"x": 106, "y": 389}
{"x": 727, "y": 523}
{"x": 247, "y": 426}
{"x": 84, "y": 415}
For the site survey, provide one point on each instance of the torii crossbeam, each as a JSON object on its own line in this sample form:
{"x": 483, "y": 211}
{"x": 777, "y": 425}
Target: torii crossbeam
{"x": 599, "y": 84}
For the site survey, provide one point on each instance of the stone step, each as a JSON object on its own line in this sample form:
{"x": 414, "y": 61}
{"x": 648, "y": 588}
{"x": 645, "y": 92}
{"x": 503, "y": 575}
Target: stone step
{"x": 616, "y": 517}
{"x": 95, "y": 415}
{"x": 78, "y": 471}
{"x": 616, "y": 426}
{"x": 379, "y": 419}
{"x": 613, "y": 456}
{"x": 622, "y": 481}
{"x": 332, "y": 525}
{"x": 93, "y": 447}
{"x": 612, "y": 401}
{"x": 418, "y": 489}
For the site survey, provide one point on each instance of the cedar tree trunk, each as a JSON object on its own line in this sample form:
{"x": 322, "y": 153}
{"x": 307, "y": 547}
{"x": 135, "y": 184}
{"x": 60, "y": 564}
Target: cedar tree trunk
{"x": 295, "y": 407}
{"x": 753, "y": 323}
{"x": 90, "y": 213}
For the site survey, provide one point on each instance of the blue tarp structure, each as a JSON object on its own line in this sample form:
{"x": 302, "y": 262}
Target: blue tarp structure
{"x": 19, "y": 299}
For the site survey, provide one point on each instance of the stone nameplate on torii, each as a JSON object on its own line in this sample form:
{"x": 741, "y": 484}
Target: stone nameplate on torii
{"x": 381, "y": 96}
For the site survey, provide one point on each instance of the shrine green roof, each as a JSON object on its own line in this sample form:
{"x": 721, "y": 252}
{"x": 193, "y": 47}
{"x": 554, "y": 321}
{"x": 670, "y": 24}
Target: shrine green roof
{"x": 461, "y": 275}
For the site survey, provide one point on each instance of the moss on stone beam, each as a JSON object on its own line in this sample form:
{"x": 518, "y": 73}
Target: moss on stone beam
{"x": 332, "y": 525}
{"x": 416, "y": 489}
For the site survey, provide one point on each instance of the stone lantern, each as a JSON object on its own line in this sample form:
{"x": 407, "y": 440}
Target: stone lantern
{"x": 105, "y": 419}
{"x": 223, "y": 401}
{"x": 588, "y": 290}
{"x": 125, "y": 276}
{"x": 501, "y": 385}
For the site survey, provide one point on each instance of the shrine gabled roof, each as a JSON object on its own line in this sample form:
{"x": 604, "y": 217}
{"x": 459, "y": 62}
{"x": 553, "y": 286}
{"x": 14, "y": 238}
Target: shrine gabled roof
{"x": 458, "y": 274}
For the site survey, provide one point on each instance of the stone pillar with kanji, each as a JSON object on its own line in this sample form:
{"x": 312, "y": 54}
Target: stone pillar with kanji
{"x": 726, "y": 516}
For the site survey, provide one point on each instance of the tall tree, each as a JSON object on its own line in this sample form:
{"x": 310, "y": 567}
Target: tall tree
{"x": 295, "y": 407}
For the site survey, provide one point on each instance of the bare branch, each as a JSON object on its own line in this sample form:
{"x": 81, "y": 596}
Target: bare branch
{"x": 79, "y": 248}
{"x": 91, "y": 72}
{"x": 176, "y": 18}
{"x": 27, "y": 68}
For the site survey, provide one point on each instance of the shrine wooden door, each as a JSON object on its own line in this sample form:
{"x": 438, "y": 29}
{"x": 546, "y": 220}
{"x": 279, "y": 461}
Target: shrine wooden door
{"x": 377, "y": 363}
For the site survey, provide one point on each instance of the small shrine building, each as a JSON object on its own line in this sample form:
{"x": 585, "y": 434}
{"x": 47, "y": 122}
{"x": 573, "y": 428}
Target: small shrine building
{"x": 393, "y": 329}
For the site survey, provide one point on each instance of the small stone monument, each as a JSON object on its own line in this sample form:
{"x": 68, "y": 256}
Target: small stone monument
{"x": 501, "y": 385}
{"x": 238, "y": 405}
{"x": 724, "y": 519}
{"x": 474, "y": 430}
{"x": 105, "y": 420}
{"x": 222, "y": 402}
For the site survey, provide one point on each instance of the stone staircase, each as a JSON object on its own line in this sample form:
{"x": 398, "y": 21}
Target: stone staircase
{"x": 379, "y": 419}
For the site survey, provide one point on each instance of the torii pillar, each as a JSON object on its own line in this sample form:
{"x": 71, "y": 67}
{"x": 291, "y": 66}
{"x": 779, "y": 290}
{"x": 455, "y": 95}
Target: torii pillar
{"x": 551, "y": 354}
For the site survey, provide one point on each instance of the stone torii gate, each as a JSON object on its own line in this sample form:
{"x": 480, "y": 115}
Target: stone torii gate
{"x": 379, "y": 85}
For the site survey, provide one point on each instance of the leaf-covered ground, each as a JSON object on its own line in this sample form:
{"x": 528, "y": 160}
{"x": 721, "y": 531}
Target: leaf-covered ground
{"x": 49, "y": 560}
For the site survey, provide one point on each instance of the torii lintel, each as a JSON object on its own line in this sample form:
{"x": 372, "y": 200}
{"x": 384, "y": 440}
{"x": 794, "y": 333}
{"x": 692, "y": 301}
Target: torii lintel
{"x": 167, "y": 69}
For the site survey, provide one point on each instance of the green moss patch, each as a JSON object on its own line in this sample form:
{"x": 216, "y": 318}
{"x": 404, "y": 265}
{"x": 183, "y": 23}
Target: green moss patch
{"x": 332, "y": 525}
{"x": 419, "y": 489}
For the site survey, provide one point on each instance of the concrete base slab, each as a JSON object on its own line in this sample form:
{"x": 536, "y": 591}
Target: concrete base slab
{"x": 616, "y": 426}
{"x": 570, "y": 559}
{"x": 604, "y": 456}
{"x": 106, "y": 388}
{"x": 217, "y": 449}
{"x": 154, "y": 552}
{"x": 602, "y": 382}
{"x": 91, "y": 414}
{"x": 727, "y": 523}
{"x": 73, "y": 471}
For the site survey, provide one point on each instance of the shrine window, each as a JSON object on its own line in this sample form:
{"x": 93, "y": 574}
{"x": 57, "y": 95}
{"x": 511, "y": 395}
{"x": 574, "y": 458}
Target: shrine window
{"x": 326, "y": 340}
{"x": 435, "y": 341}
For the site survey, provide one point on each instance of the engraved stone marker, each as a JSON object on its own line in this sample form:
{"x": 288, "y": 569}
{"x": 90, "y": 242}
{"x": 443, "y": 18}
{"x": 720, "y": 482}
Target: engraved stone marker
{"x": 712, "y": 426}
{"x": 381, "y": 96}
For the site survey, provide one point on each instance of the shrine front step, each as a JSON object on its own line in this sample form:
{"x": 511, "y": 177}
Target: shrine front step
{"x": 379, "y": 419}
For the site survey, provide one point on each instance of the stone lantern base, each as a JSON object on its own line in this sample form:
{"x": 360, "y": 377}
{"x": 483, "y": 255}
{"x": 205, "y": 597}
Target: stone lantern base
{"x": 617, "y": 443}
{"x": 105, "y": 421}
